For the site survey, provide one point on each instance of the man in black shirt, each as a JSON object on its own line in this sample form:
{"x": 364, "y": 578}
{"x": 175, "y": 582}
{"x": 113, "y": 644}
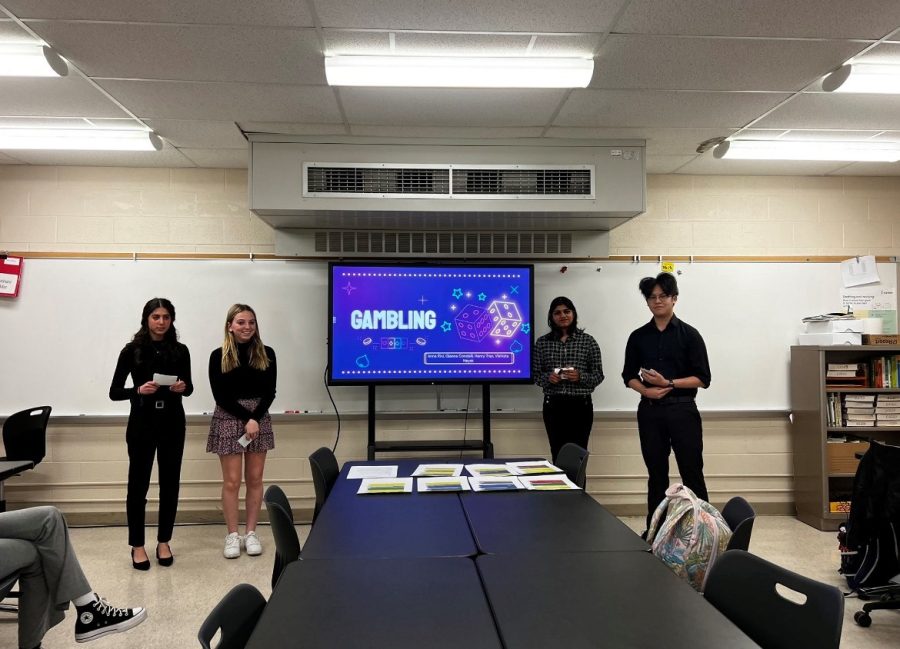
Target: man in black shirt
{"x": 665, "y": 362}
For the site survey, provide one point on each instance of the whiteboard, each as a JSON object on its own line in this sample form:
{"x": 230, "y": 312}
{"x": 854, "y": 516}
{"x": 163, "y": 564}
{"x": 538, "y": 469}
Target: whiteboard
{"x": 63, "y": 334}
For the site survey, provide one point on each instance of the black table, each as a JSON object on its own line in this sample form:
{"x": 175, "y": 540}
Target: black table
{"x": 9, "y": 468}
{"x": 389, "y": 525}
{"x": 392, "y": 603}
{"x": 545, "y": 521}
{"x": 619, "y": 600}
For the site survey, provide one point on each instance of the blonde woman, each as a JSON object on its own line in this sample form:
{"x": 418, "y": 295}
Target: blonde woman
{"x": 242, "y": 377}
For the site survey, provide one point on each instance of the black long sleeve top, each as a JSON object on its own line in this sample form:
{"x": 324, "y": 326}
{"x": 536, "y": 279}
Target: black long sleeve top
{"x": 675, "y": 352}
{"x": 142, "y": 362}
{"x": 243, "y": 382}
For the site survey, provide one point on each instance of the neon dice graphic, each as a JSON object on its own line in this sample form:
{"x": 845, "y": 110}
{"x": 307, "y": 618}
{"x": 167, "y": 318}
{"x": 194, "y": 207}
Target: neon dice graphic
{"x": 473, "y": 323}
{"x": 505, "y": 318}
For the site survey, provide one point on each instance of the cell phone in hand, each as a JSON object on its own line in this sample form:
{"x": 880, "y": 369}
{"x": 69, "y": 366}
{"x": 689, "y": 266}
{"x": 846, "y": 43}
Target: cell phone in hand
{"x": 244, "y": 441}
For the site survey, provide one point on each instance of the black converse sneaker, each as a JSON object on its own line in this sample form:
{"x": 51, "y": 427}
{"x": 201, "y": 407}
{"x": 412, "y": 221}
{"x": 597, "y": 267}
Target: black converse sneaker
{"x": 98, "y": 619}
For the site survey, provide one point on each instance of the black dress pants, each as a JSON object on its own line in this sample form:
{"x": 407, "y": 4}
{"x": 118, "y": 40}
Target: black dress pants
{"x": 665, "y": 427}
{"x": 567, "y": 419}
{"x": 161, "y": 434}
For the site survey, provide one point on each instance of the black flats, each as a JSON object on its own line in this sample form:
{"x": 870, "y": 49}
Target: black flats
{"x": 139, "y": 565}
{"x": 164, "y": 561}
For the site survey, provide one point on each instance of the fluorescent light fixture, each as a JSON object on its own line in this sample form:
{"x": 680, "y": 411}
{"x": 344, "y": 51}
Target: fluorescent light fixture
{"x": 870, "y": 151}
{"x": 30, "y": 60}
{"x": 458, "y": 72}
{"x": 864, "y": 78}
{"x": 79, "y": 139}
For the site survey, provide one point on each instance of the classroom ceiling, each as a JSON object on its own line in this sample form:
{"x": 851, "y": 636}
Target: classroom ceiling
{"x": 203, "y": 73}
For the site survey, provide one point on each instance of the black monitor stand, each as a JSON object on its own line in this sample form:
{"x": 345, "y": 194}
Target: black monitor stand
{"x": 483, "y": 444}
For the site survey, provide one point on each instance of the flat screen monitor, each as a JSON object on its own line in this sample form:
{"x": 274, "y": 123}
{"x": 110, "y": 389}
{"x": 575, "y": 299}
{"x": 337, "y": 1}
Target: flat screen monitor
{"x": 430, "y": 323}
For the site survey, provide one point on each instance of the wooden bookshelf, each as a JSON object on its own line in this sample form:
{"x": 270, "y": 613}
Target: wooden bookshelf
{"x": 815, "y": 486}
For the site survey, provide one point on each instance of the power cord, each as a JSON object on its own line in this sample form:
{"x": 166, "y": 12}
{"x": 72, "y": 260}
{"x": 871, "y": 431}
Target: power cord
{"x": 466, "y": 421}
{"x": 337, "y": 414}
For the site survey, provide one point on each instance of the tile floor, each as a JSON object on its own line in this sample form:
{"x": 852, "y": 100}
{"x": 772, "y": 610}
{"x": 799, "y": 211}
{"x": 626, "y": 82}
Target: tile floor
{"x": 179, "y": 598}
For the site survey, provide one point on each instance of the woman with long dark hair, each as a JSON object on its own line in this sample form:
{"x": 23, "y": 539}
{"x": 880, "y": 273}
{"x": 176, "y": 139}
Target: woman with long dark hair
{"x": 242, "y": 376}
{"x": 566, "y": 364}
{"x": 160, "y": 369}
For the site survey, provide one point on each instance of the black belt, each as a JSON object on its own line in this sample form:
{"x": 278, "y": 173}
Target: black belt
{"x": 667, "y": 401}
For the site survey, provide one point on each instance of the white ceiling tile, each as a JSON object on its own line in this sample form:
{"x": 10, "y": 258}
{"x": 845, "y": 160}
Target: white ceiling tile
{"x": 354, "y": 41}
{"x": 674, "y": 63}
{"x": 220, "y": 12}
{"x": 884, "y": 53}
{"x": 870, "y": 169}
{"x": 471, "y": 15}
{"x": 667, "y": 164}
{"x": 797, "y": 18}
{"x": 126, "y": 123}
{"x": 54, "y": 97}
{"x": 449, "y": 106}
{"x": 219, "y": 158}
{"x": 825, "y": 134}
{"x": 660, "y": 141}
{"x": 292, "y": 128}
{"x": 233, "y": 102}
{"x": 43, "y": 122}
{"x": 188, "y": 52}
{"x": 461, "y": 44}
{"x": 199, "y": 134}
{"x": 566, "y": 44}
{"x": 10, "y": 32}
{"x": 836, "y": 111}
{"x": 168, "y": 157}
{"x": 628, "y": 108}
{"x": 707, "y": 164}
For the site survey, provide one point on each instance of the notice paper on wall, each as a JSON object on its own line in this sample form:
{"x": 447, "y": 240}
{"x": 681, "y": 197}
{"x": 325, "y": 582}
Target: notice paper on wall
{"x": 859, "y": 271}
{"x": 873, "y": 302}
{"x": 10, "y": 275}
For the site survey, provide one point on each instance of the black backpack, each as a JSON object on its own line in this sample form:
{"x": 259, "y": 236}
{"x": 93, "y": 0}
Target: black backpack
{"x": 873, "y": 563}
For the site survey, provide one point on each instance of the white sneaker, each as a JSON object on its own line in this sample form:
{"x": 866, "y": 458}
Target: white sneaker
{"x": 232, "y": 546}
{"x": 252, "y": 544}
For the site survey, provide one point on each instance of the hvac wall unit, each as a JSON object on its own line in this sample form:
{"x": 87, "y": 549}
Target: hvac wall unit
{"x": 402, "y": 198}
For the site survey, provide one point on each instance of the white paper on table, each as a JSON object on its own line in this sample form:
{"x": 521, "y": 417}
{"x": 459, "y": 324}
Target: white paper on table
{"x": 363, "y": 471}
{"x": 485, "y": 484}
{"x": 434, "y": 485}
{"x": 538, "y": 467}
{"x": 164, "y": 379}
{"x": 404, "y": 485}
{"x": 438, "y": 470}
{"x": 557, "y": 482}
{"x": 485, "y": 470}
{"x": 858, "y": 271}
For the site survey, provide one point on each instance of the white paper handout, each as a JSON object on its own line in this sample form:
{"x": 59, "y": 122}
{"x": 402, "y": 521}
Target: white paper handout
{"x": 438, "y": 470}
{"x": 363, "y": 471}
{"x": 244, "y": 441}
{"x": 485, "y": 470}
{"x": 164, "y": 379}
{"x": 533, "y": 468}
{"x": 436, "y": 485}
{"x": 558, "y": 482}
{"x": 385, "y": 486}
{"x": 496, "y": 484}
{"x": 858, "y": 271}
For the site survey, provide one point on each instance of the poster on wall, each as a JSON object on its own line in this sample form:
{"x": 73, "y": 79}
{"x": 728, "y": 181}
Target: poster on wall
{"x": 873, "y": 302}
{"x": 10, "y": 275}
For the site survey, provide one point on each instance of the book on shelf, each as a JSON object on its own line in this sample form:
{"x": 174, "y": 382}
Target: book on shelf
{"x": 850, "y": 417}
{"x": 859, "y": 423}
{"x": 886, "y": 410}
{"x": 850, "y": 410}
{"x": 841, "y": 374}
{"x": 859, "y": 398}
{"x": 846, "y": 366}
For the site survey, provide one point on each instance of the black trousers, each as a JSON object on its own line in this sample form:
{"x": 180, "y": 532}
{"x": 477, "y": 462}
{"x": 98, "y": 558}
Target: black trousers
{"x": 567, "y": 419}
{"x": 150, "y": 434}
{"x": 666, "y": 427}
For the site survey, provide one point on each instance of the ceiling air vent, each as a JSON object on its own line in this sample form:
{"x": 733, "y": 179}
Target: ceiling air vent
{"x": 340, "y": 179}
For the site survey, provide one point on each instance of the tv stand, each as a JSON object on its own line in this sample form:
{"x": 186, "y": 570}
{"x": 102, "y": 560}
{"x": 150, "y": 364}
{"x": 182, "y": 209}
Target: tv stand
{"x": 484, "y": 445}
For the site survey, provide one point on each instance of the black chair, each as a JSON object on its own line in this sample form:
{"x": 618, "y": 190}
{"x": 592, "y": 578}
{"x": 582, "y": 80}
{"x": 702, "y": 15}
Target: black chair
{"x": 6, "y": 591}
{"x": 740, "y": 516}
{"x": 324, "y": 467}
{"x": 281, "y": 518}
{"x": 236, "y": 615}
{"x": 25, "y": 438}
{"x": 742, "y": 587}
{"x": 573, "y": 460}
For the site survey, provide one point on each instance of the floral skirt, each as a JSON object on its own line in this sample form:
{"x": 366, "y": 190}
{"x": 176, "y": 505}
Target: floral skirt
{"x": 225, "y": 429}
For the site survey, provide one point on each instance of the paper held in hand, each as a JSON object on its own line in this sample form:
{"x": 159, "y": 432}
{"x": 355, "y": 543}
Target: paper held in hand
{"x": 164, "y": 379}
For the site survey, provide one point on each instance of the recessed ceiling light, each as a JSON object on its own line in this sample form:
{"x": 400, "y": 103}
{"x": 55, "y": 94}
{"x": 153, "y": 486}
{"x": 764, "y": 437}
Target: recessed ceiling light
{"x": 864, "y": 78}
{"x": 458, "y": 72}
{"x": 30, "y": 60}
{"x": 869, "y": 151}
{"x": 79, "y": 139}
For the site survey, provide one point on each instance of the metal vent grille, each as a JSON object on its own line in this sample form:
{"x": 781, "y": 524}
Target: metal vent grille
{"x": 523, "y": 182}
{"x": 377, "y": 180}
{"x": 444, "y": 243}
{"x": 448, "y": 181}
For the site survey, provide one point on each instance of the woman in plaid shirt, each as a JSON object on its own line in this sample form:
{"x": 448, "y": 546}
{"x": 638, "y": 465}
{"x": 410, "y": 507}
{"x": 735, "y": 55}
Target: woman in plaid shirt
{"x": 566, "y": 364}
